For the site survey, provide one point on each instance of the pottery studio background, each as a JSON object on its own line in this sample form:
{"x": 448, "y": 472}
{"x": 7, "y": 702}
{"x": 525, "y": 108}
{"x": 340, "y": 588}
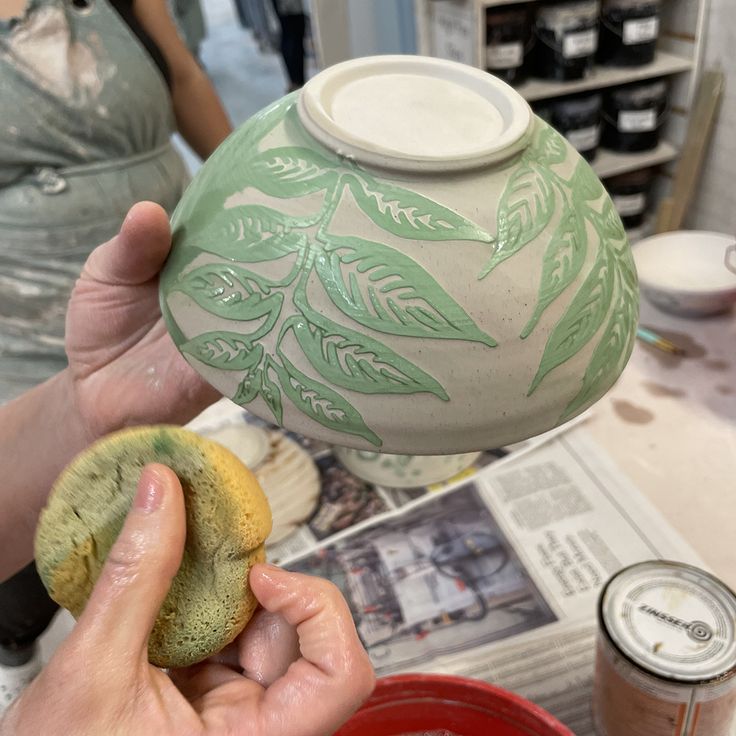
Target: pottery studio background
{"x": 645, "y": 90}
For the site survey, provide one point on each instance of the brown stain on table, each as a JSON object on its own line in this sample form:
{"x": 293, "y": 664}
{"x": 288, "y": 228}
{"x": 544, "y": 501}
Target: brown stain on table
{"x": 631, "y": 413}
{"x": 726, "y": 390}
{"x": 657, "y": 389}
{"x": 717, "y": 364}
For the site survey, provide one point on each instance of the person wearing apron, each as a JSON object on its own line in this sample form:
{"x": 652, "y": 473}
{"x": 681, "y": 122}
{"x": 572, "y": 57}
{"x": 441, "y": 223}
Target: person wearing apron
{"x": 90, "y": 93}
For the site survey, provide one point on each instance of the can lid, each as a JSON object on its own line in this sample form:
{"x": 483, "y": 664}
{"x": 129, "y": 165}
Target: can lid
{"x": 415, "y": 113}
{"x": 672, "y": 620}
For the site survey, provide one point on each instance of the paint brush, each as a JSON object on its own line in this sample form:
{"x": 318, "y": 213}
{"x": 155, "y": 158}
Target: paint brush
{"x": 659, "y": 342}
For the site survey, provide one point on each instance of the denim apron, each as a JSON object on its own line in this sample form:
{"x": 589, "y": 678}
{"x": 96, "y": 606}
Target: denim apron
{"x": 85, "y": 126}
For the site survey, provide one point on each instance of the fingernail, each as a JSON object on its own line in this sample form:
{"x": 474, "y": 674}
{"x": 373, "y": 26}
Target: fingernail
{"x": 150, "y": 494}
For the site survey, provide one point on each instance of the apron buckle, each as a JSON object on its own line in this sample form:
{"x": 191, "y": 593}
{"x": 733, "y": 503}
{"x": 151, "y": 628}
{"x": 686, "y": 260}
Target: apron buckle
{"x": 50, "y": 180}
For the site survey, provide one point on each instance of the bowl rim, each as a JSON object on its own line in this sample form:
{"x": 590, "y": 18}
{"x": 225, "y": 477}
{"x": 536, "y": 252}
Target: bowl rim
{"x": 722, "y": 291}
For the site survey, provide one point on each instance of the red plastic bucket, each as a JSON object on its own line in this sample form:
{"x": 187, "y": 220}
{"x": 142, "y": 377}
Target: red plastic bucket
{"x": 415, "y": 704}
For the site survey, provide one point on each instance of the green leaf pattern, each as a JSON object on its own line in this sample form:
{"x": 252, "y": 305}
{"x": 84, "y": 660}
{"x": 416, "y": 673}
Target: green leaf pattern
{"x": 354, "y": 361}
{"x": 561, "y": 264}
{"x": 604, "y": 306}
{"x": 408, "y": 214}
{"x": 386, "y": 291}
{"x": 376, "y": 287}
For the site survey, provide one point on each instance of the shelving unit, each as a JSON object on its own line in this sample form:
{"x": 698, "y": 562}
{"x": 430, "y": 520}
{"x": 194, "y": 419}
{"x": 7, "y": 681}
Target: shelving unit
{"x": 605, "y": 76}
{"x": 609, "y": 163}
{"x": 455, "y": 29}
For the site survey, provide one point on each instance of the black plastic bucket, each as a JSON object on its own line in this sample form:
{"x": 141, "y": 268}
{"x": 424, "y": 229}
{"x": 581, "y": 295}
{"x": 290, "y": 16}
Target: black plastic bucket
{"x": 578, "y": 118}
{"x": 633, "y": 116}
{"x": 629, "y": 32}
{"x": 567, "y": 38}
{"x": 509, "y": 41}
{"x": 630, "y": 193}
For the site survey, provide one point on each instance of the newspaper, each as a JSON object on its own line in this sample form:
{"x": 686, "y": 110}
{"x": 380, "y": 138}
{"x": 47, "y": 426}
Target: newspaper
{"x": 493, "y": 575}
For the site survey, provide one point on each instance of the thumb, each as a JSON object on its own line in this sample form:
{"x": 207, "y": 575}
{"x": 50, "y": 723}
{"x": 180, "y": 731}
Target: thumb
{"x": 137, "y": 253}
{"x": 139, "y": 568}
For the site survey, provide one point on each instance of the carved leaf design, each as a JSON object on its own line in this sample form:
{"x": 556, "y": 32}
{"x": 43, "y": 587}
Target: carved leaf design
{"x": 249, "y": 387}
{"x": 563, "y": 259}
{"x": 291, "y": 171}
{"x": 581, "y": 320}
{"x": 249, "y": 234}
{"x": 231, "y": 292}
{"x": 613, "y": 228}
{"x": 548, "y": 146}
{"x": 262, "y": 123}
{"x": 611, "y": 353}
{"x": 321, "y": 403}
{"x": 385, "y": 290}
{"x": 270, "y": 391}
{"x": 585, "y": 184}
{"x": 357, "y": 362}
{"x": 525, "y": 209}
{"x": 229, "y": 351}
{"x": 407, "y": 214}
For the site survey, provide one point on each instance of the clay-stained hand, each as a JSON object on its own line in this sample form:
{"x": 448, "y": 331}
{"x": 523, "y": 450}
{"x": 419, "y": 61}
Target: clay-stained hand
{"x": 124, "y": 367}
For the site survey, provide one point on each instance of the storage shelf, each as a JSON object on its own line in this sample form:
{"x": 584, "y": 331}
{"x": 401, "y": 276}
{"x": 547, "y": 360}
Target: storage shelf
{"x": 609, "y": 163}
{"x": 605, "y": 76}
{"x": 491, "y": 3}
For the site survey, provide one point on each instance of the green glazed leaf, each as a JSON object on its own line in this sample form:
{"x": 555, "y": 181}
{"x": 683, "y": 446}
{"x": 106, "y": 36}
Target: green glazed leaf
{"x": 257, "y": 127}
{"x": 290, "y": 171}
{"x": 525, "y": 209}
{"x": 610, "y": 355}
{"x": 249, "y": 234}
{"x": 581, "y": 320}
{"x": 585, "y": 184}
{"x": 270, "y": 391}
{"x": 563, "y": 259}
{"x": 408, "y": 214}
{"x": 357, "y": 362}
{"x": 548, "y": 146}
{"x": 249, "y": 387}
{"x": 231, "y": 292}
{"x": 321, "y": 403}
{"x": 229, "y": 351}
{"x": 613, "y": 228}
{"x": 385, "y": 290}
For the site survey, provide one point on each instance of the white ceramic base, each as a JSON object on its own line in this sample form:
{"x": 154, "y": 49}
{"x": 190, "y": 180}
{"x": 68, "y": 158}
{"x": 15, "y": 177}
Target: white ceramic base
{"x": 404, "y": 471}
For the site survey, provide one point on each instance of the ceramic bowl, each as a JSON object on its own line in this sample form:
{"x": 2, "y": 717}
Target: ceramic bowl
{"x": 403, "y": 471}
{"x": 687, "y": 272}
{"x": 402, "y": 258}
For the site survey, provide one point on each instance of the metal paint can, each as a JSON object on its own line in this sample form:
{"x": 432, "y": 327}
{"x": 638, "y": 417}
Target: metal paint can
{"x": 666, "y": 657}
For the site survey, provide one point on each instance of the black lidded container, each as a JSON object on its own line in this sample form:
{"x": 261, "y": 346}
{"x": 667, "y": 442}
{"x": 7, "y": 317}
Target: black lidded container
{"x": 629, "y": 32}
{"x": 509, "y": 41}
{"x": 630, "y": 193}
{"x": 578, "y": 118}
{"x": 567, "y": 38}
{"x": 633, "y": 116}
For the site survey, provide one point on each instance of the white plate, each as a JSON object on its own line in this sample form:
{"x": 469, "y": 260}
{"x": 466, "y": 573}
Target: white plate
{"x": 685, "y": 272}
{"x": 291, "y": 482}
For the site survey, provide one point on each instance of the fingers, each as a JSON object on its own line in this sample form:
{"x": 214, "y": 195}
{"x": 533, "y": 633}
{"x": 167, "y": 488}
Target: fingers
{"x": 267, "y": 647}
{"x": 138, "y": 571}
{"x": 137, "y": 253}
{"x": 334, "y": 675}
{"x": 196, "y": 681}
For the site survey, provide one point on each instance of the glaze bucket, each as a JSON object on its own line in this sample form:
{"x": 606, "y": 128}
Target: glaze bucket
{"x": 415, "y": 704}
